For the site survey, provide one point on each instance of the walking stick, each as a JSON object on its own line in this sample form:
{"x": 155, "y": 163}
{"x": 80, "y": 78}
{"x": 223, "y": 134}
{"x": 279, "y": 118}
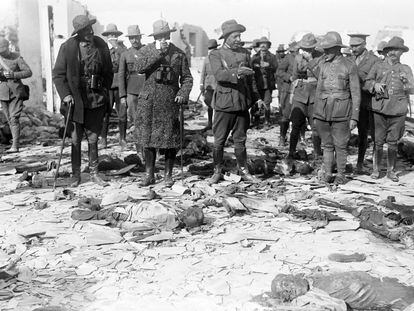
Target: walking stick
{"x": 182, "y": 141}
{"x": 63, "y": 144}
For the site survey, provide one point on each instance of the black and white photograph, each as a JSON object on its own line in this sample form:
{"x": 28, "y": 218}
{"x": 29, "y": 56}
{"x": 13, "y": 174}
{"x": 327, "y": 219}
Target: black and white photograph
{"x": 206, "y": 155}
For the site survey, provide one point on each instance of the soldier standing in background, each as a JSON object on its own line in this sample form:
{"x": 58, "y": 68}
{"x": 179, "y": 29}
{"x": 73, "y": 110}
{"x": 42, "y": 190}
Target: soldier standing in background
{"x": 82, "y": 76}
{"x": 208, "y": 83}
{"x": 13, "y": 68}
{"x": 364, "y": 60}
{"x": 264, "y": 65}
{"x": 305, "y": 73}
{"x": 284, "y": 75}
{"x": 336, "y": 109}
{"x": 130, "y": 82}
{"x": 112, "y": 34}
{"x": 391, "y": 82}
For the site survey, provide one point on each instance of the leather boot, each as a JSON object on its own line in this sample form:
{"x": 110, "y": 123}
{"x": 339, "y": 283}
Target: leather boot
{"x": 149, "y": 154}
{"x": 391, "y": 161}
{"x": 241, "y": 157}
{"x": 93, "y": 165}
{"x": 218, "y": 165}
{"x": 376, "y": 165}
{"x": 76, "y": 165}
{"x": 15, "y": 131}
{"x": 328, "y": 158}
{"x": 294, "y": 137}
{"x": 317, "y": 151}
{"x": 169, "y": 165}
{"x": 283, "y": 131}
{"x": 210, "y": 118}
{"x": 122, "y": 134}
{"x": 104, "y": 133}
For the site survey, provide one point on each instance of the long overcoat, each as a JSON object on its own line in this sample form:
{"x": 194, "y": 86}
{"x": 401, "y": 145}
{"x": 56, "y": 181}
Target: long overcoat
{"x": 157, "y": 115}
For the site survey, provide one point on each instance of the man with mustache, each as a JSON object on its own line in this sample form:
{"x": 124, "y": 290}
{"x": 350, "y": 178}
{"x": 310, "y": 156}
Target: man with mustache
{"x": 336, "y": 109}
{"x": 391, "y": 82}
{"x": 82, "y": 76}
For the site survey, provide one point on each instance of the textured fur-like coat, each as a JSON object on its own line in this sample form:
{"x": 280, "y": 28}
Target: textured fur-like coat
{"x": 157, "y": 115}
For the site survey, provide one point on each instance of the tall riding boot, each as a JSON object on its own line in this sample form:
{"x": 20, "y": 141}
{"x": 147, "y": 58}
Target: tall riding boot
{"x": 15, "y": 131}
{"x": 377, "y": 158}
{"x": 328, "y": 158}
{"x": 294, "y": 137}
{"x": 241, "y": 157}
{"x": 284, "y": 125}
{"x": 391, "y": 162}
{"x": 93, "y": 165}
{"x": 210, "y": 118}
{"x": 169, "y": 165}
{"x": 317, "y": 151}
{"x": 341, "y": 158}
{"x": 149, "y": 154}
{"x": 104, "y": 132}
{"x": 122, "y": 134}
{"x": 362, "y": 148}
{"x": 218, "y": 154}
{"x": 76, "y": 159}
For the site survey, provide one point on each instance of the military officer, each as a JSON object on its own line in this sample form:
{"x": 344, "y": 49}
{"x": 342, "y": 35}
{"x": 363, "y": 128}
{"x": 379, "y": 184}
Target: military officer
{"x": 364, "y": 60}
{"x": 130, "y": 82}
{"x": 236, "y": 92}
{"x": 117, "y": 48}
{"x": 391, "y": 82}
{"x": 264, "y": 65}
{"x": 208, "y": 82}
{"x": 336, "y": 110}
{"x": 13, "y": 68}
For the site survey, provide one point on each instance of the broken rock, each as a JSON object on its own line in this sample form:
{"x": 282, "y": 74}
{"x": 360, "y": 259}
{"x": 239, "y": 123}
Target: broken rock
{"x": 288, "y": 287}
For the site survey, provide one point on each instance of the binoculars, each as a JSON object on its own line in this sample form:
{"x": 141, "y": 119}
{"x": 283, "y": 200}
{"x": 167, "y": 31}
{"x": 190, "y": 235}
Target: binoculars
{"x": 164, "y": 75}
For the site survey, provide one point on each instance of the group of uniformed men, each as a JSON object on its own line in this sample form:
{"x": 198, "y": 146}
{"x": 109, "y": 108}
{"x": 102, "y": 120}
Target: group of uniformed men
{"x": 316, "y": 85}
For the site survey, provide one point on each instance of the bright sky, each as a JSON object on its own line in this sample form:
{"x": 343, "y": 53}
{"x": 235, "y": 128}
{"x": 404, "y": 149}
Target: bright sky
{"x": 282, "y": 18}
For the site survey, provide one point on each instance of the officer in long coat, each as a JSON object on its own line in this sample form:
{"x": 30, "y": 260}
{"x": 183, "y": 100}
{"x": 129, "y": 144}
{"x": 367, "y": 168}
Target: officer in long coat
{"x": 391, "y": 83}
{"x": 82, "y": 76}
{"x": 13, "y": 68}
{"x": 364, "y": 60}
{"x": 167, "y": 86}
{"x": 130, "y": 81}
{"x": 235, "y": 94}
{"x": 336, "y": 110}
{"x": 116, "y": 49}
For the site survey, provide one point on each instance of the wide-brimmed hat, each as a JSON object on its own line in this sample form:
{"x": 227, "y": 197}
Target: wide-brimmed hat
{"x": 161, "y": 27}
{"x": 357, "y": 38}
{"x": 133, "y": 31}
{"x": 264, "y": 40}
{"x": 4, "y": 45}
{"x": 396, "y": 43}
{"x": 212, "y": 44}
{"x": 293, "y": 46}
{"x": 81, "y": 22}
{"x": 331, "y": 39}
{"x": 381, "y": 45}
{"x": 229, "y": 27}
{"x": 281, "y": 48}
{"x": 308, "y": 41}
{"x": 111, "y": 29}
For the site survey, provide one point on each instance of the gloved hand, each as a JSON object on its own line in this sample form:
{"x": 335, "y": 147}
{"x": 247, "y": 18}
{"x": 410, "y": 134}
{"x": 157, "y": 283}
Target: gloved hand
{"x": 9, "y": 74}
{"x": 244, "y": 71}
{"x": 352, "y": 124}
{"x": 379, "y": 88}
{"x": 66, "y": 107}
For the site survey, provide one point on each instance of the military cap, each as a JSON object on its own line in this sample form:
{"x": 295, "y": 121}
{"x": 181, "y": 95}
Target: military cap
{"x": 231, "y": 26}
{"x": 81, "y": 22}
{"x": 111, "y": 29}
{"x": 396, "y": 43}
{"x": 357, "y": 38}
{"x": 4, "y": 45}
